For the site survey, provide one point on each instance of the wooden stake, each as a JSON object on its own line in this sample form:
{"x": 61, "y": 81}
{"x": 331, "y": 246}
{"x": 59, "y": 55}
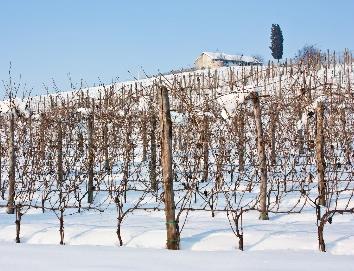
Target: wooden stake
{"x": 167, "y": 175}
{"x": 205, "y": 143}
{"x": 59, "y": 155}
{"x": 153, "y": 154}
{"x": 18, "y": 223}
{"x": 320, "y": 154}
{"x": 12, "y": 163}
{"x": 105, "y": 146}
{"x": 144, "y": 136}
{"x": 241, "y": 141}
{"x": 90, "y": 127}
{"x": 272, "y": 138}
{"x": 262, "y": 163}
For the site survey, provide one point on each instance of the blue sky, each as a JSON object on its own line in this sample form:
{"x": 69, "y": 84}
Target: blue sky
{"x": 106, "y": 39}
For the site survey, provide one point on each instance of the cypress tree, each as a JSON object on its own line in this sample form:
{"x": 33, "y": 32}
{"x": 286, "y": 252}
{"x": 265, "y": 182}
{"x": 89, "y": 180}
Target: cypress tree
{"x": 276, "y": 42}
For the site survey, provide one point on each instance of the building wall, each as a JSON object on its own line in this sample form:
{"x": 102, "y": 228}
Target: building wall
{"x": 204, "y": 62}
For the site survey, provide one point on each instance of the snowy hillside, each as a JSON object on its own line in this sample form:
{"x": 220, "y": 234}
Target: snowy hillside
{"x": 85, "y": 169}
{"x": 29, "y": 257}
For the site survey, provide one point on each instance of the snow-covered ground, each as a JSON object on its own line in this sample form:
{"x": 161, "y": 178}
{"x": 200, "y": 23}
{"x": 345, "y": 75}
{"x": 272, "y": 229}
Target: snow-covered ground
{"x": 56, "y": 258}
{"x": 285, "y": 242}
{"x": 202, "y": 232}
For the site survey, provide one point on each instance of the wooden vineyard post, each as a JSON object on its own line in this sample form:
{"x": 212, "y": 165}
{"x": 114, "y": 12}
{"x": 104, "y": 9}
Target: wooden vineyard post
{"x": 18, "y": 223}
{"x": 59, "y": 155}
{"x": 167, "y": 175}
{"x": 152, "y": 165}
{"x": 144, "y": 136}
{"x": 105, "y": 146}
{"x": 241, "y": 141}
{"x": 300, "y": 132}
{"x": 42, "y": 140}
{"x": 346, "y": 137}
{"x": 90, "y": 156}
{"x": 106, "y": 136}
{"x": 273, "y": 127}
{"x": 12, "y": 163}
{"x": 219, "y": 163}
{"x": 262, "y": 163}
{"x": 127, "y": 153}
{"x": 320, "y": 162}
{"x": 61, "y": 226}
{"x": 205, "y": 149}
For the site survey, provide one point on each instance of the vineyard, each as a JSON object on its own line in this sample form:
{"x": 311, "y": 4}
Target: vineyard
{"x": 265, "y": 140}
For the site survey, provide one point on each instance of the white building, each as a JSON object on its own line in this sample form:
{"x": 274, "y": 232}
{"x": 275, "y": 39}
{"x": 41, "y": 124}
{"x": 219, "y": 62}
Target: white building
{"x": 215, "y": 60}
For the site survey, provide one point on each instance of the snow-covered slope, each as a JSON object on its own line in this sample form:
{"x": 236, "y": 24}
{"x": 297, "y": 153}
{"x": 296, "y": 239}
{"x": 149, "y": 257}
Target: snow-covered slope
{"x": 294, "y": 232}
{"x": 55, "y": 258}
{"x": 289, "y": 240}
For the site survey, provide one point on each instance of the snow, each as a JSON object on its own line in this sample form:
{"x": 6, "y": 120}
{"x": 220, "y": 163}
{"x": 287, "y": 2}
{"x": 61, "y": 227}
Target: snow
{"x": 229, "y": 103}
{"x": 13, "y": 105}
{"x": 206, "y": 114}
{"x": 55, "y": 258}
{"x": 84, "y": 111}
{"x": 318, "y": 100}
{"x": 178, "y": 118}
{"x": 286, "y": 232}
{"x": 311, "y": 108}
{"x": 227, "y": 57}
{"x": 144, "y": 104}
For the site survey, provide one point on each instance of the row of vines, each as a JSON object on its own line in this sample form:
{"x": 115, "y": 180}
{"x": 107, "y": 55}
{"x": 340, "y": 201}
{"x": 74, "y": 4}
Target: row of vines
{"x": 272, "y": 139}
